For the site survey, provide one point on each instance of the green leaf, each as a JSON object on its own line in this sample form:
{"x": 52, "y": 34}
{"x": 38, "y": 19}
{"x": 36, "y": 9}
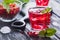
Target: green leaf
{"x": 18, "y": 1}
{"x": 50, "y": 32}
{"x": 42, "y": 33}
{"x": 6, "y": 6}
{"x": 46, "y": 10}
{"x": 47, "y": 33}
{"x": 24, "y": 1}
{"x": 9, "y": 1}
{"x": 6, "y": 3}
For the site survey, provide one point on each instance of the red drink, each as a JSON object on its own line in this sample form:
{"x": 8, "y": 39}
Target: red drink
{"x": 37, "y": 19}
{"x": 42, "y": 2}
{"x": 12, "y": 13}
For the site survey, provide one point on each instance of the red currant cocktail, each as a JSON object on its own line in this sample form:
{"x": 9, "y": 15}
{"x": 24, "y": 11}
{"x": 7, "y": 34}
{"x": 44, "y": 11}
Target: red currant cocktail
{"x": 39, "y": 17}
{"x": 14, "y": 9}
{"x": 42, "y": 2}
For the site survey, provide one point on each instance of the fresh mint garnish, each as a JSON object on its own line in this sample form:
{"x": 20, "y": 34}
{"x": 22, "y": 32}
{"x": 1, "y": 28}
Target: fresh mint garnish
{"x": 47, "y": 33}
{"x": 24, "y": 1}
{"x": 6, "y": 6}
{"x": 42, "y": 33}
{"x": 6, "y": 3}
{"x": 47, "y": 10}
{"x": 50, "y": 32}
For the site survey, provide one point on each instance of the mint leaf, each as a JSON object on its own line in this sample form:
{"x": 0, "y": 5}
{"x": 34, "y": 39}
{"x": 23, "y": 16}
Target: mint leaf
{"x": 42, "y": 33}
{"x": 9, "y": 1}
{"x": 24, "y": 1}
{"x": 50, "y": 32}
{"x": 6, "y": 3}
{"x": 46, "y": 10}
{"x": 18, "y": 1}
{"x": 47, "y": 33}
{"x": 6, "y": 6}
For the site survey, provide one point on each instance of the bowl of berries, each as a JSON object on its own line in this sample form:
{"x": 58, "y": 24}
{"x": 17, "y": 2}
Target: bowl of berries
{"x": 9, "y": 9}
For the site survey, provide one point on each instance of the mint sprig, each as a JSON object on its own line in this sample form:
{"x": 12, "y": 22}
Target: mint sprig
{"x": 24, "y": 1}
{"x": 6, "y": 3}
{"x": 47, "y": 10}
{"x": 6, "y": 6}
{"x": 47, "y": 33}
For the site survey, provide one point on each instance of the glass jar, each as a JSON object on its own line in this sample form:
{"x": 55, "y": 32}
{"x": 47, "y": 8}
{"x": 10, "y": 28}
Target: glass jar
{"x": 14, "y": 9}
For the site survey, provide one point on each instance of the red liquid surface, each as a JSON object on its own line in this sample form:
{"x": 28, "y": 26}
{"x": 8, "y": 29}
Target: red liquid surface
{"x": 39, "y": 21}
{"x": 13, "y": 11}
{"x": 42, "y": 2}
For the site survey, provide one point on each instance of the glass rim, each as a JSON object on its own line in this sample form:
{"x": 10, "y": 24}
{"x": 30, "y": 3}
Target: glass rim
{"x": 39, "y": 7}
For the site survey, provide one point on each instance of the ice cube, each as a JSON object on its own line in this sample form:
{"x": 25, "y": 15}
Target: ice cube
{"x": 34, "y": 19}
{"x": 5, "y": 29}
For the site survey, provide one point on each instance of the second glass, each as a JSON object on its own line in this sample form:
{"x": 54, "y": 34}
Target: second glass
{"x": 42, "y": 2}
{"x": 14, "y": 9}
